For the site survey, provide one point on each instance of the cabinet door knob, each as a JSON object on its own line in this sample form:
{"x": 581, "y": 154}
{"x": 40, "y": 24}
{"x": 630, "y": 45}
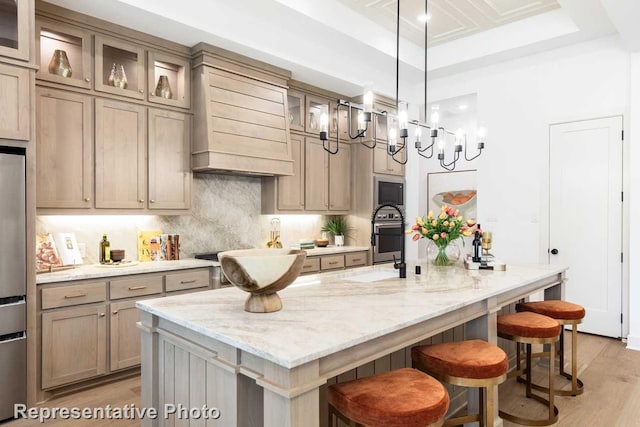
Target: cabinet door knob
{"x": 87, "y": 199}
{"x": 87, "y": 79}
{"x": 152, "y": 201}
{"x": 115, "y": 312}
{"x": 141, "y": 200}
{"x": 141, "y": 90}
{"x": 152, "y": 94}
{"x": 101, "y": 314}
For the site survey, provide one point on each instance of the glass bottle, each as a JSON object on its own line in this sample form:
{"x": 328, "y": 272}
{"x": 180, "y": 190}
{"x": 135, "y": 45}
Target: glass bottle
{"x": 105, "y": 250}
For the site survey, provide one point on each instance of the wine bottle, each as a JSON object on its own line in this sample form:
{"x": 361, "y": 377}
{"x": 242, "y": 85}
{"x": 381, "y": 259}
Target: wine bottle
{"x": 105, "y": 250}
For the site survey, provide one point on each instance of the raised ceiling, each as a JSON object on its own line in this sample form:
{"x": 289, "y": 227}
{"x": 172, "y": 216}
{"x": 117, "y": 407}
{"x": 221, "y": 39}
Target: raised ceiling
{"x": 450, "y": 20}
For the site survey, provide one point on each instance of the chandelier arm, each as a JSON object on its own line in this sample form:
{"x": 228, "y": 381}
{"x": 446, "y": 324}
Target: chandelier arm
{"x": 420, "y": 151}
{"x": 406, "y": 158}
{"x": 362, "y": 132}
{"x": 326, "y": 143}
{"x": 472, "y": 158}
{"x": 456, "y": 157}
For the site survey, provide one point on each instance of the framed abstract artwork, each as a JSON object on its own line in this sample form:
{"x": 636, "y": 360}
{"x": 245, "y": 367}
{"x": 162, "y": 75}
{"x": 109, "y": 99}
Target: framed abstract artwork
{"x": 457, "y": 189}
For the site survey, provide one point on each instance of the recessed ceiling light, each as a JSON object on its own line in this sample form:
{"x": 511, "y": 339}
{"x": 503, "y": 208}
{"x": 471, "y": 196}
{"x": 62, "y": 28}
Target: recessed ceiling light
{"x": 424, "y": 17}
{"x": 463, "y": 107}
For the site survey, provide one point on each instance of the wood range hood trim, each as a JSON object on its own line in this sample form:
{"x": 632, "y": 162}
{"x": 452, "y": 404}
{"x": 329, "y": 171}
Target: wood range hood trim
{"x": 241, "y": 114}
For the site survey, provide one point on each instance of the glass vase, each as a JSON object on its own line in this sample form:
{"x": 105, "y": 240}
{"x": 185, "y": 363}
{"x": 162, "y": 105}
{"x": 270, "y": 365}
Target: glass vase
{"x": 443, "y": 254}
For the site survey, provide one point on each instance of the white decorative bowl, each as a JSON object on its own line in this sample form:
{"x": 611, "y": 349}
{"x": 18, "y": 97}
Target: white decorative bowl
{"x": 262, "y": 273}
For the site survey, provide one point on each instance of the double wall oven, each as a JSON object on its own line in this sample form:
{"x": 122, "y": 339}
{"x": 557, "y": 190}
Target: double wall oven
{"x": 387, "y": 225}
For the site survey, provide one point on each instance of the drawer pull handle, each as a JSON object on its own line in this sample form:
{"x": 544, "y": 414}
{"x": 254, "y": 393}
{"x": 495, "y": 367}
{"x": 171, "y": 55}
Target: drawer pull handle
{"x": 75, "y": 296}
{"x": 355, "y": 259}
{"x": 184, "y": 282}
{"x": 333, "y": 262}
{"x": 137, "y": 288}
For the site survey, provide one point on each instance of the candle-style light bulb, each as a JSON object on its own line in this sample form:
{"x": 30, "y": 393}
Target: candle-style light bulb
{"x": 324, "y": 125}
{"x": 482, "y": 133}
{"x": 441, "y": 149}
{"x": 393, "y": 139}
{"x": 367, "y": 101}
{"x": 362, "y": 125}
{"x": 435, "y": 121}
{"x": 459, "y": 140}
{"x": 418, "y": 137}
{"x": 403, "y": 119}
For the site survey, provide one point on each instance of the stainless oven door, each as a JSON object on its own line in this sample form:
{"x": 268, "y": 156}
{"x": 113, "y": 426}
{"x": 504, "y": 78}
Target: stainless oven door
{"x": 389, "y": 238}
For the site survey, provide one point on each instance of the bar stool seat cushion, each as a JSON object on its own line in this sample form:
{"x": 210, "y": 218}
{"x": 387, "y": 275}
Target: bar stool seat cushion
{"x": 528, "y": 325}
{"x": 401, "y": 398}
{"x": 556, "y": 309}
{"x": 474, "y": 359}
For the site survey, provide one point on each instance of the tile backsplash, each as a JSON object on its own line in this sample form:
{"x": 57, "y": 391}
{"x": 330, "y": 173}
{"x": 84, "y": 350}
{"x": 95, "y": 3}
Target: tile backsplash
{"x": 225, "y": 215}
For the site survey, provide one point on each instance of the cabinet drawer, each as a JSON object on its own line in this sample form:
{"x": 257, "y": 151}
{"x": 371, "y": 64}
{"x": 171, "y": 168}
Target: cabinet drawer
{"x": 126, "y": 288}
{"x": 332, "y": 262}
{"x": 187, "y": 280}
{"x": 311, "y": 265}
{"x": 355, "y": 259}
{"x": 65, "y": 296}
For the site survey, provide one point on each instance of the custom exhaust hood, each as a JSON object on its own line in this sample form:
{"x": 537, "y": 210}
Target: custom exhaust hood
{"x": 241, "y": 121}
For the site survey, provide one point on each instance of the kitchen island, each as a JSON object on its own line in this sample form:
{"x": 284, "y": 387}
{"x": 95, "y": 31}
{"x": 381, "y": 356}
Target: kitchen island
{"x": 267, "y": 369}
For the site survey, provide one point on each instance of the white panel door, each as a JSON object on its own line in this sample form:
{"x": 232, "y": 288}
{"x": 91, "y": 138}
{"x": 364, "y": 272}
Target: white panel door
{"x": 585, "y": 213}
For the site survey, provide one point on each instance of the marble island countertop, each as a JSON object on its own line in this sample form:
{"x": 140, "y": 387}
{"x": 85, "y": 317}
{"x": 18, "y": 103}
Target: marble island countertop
{"x": 326, "y": 313}
{"x": 93, "y": 271}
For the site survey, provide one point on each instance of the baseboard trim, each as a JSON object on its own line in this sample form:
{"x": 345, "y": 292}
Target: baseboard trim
{"x": 633, "y": 342}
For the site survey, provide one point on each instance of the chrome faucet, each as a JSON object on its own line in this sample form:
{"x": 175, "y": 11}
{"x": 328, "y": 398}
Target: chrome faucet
{"x": 401, "y": 266}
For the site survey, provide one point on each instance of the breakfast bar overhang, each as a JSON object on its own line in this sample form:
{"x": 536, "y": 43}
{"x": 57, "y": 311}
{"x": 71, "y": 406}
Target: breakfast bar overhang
{"x": 203, "y": 349}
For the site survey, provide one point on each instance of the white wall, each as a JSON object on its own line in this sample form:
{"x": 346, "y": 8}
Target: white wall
{"x": 518, "y": 100}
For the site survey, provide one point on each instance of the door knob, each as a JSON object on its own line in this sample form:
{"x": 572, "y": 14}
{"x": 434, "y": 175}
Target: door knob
{"x": 554, "y": 251}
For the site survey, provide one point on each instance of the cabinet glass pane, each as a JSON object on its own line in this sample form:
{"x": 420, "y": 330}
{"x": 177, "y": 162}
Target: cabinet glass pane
{"x": 61, "y": 54}
{"x": 120, "y": 68}
{"x": 169, "y": 80}
{"x": 315, "y": 110}
{"x": 295, "y": 111}
{"x": 9, "y": 24}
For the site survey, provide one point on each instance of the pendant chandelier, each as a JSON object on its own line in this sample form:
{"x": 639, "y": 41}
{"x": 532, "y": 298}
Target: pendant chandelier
{"x": 436, "y": 132}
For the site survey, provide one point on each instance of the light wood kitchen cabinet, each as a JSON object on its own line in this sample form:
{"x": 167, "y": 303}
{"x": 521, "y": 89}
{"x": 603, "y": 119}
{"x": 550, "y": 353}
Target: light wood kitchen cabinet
{"x": 121, "y": 170}
{"x": 113, "y": 56}
{"x": 320, "y": 263}
{"x": 124, "y": 343}
{"x": 64, "y": 150}
{"x": 169, "y": 160}
{"x": 14, "y": 103}
{"x": 315, "y": 106}
{"x": 14, "y": 21}
{"x": 316, "y": 189}
{"x": 56, "y": 38}
{"x": 327, "y": 177}
{"x": 176, "y": 72}
{"x": 291, "y": 189}
{"x": 340, "y": 179}
{"x": 384, "y": 164}
{"x": 73, "y": 345}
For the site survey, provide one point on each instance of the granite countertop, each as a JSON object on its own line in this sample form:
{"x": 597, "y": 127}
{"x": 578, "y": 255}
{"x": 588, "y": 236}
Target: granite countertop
{"x": 93, "y": 271}
{"x": 325, "y": 313}
{"x": 330, "y": 250}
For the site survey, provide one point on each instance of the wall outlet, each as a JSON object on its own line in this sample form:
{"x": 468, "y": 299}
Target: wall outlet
{"x": 82, "y": 247}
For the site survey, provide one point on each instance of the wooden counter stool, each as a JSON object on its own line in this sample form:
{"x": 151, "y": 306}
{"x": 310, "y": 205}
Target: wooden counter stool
{"x": 473, "y": 363}
{"x": 531, "y": 328}
{"x": 566, "y": 313}
{"x": 401, "y": 398}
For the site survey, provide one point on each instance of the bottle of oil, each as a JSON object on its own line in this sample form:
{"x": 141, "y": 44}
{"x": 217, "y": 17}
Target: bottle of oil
{"x": 105, "y": 250}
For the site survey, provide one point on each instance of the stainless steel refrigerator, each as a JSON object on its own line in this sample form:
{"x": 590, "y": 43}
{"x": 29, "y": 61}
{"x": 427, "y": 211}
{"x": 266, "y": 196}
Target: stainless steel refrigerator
{"x": 13, "y": 279}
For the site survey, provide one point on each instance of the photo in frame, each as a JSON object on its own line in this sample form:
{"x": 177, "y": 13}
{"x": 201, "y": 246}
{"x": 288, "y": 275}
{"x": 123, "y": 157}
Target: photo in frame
{"x": 457, "y": 189}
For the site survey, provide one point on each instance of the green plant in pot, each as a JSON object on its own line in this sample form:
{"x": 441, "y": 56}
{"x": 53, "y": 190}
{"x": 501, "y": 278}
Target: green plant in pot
{"x": 337, "y": 226}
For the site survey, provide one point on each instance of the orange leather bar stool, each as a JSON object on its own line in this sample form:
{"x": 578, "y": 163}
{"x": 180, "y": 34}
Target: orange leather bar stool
{"x": 401, "y": 398}
{"x": 531, "y": 328}
{"x": 566, "y": 313}
{"x": 473, "y": 363}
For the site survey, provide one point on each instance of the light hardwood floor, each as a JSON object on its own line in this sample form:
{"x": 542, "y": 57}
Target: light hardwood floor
{"x": 611, "y": 374}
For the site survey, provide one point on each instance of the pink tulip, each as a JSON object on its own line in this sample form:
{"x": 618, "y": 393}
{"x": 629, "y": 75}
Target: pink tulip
{"x": 443, "y": 235}
{"x": 415, "y": 237}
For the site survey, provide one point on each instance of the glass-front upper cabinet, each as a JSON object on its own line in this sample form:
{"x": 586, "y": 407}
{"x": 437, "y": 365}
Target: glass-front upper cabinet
{"x": 63, "y": 54}
{"x": 315, "y": 108}
{"x": 119, "y": 68}
{"x": 295, "y": 102}
{"x": 169, "y": 80}
{"x": 14, "y": 28}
